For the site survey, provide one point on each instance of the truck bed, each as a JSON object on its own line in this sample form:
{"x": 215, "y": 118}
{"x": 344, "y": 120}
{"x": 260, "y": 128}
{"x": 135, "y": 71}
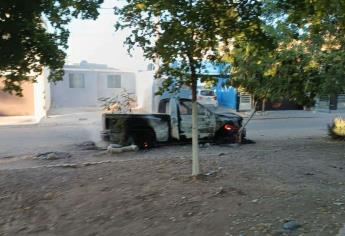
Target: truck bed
{"x": 119, "y": 126}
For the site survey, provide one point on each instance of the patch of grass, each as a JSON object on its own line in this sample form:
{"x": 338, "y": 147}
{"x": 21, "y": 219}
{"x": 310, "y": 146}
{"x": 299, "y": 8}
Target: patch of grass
{"x": 337, "y": 129}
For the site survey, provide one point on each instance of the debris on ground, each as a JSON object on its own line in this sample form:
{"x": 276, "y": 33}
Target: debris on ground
{"x": 65, "y": 166}
{"x": 115, "y": 148}
{"x": 6, "y": 157}
{"x": 291, "y": 225}
{"x": 247, "y": 141}
{"x": 220, "y": 191}
{"x": 115, "y": 145}
{"x": 95, "y": 163}
{"x": 256, "y": 193}
{"x": 88, "y": 145}
{"x": 211, "y": 173}
{"x": 53, "y": 155}
{"x": 232, "y": 145}
{"x": 341, "y": 231}
{"x": 204, "y": 145}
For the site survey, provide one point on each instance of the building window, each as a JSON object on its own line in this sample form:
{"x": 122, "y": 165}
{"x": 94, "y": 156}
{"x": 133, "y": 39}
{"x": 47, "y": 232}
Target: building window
{"x": 76, "y": 81}
{"x": 114, "y": 81}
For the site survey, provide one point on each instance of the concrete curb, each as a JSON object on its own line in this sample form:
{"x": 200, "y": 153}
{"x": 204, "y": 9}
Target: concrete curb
{"x": 287, "y": 117}
{"x": 288, "y": 114}
{"x": 11, "y": 121}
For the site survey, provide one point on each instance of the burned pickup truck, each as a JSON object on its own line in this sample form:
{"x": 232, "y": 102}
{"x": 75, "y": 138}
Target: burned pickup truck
{"x": 172, "y": 124}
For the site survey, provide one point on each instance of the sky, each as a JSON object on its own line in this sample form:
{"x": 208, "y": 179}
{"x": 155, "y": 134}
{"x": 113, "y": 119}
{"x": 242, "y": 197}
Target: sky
{"x": 97, "y": 42}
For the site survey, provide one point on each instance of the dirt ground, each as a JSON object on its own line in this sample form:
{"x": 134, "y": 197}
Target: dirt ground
{"x": 253, "y": 189}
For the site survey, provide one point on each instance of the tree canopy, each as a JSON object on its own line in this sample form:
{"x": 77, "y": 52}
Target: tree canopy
{"x": 323, "y": 25}
{"x": 34, "y": 34}
{"x": 307, "y": 58}
{"x": 184, "y": 33}
{"x": 181, "y": 34}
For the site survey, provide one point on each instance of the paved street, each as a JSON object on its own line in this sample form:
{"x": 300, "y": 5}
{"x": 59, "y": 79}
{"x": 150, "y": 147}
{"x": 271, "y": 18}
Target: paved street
{"x": 54, "y": 133}
{"x": 247, "y": 189}
{"x": 288, "y": 124}
{"x": 283, "y": 128}
{"x": 63, "y": 128}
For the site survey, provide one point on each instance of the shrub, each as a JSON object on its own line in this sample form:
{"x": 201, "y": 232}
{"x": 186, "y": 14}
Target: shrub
{"x": 121, "y": 103}
{"x": 337, "y": 129}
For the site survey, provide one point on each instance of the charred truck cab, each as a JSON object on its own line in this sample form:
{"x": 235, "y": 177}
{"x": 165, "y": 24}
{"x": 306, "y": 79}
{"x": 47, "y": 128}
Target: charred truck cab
{"x": 173, "y": 123}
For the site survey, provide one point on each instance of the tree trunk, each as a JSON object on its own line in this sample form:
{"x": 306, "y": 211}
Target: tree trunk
{"x": 263, "y": 105}
{"x": 195, "y": 131}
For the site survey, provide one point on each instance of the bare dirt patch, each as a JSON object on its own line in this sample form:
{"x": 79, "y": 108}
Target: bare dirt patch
{"x": 250, "y": 190}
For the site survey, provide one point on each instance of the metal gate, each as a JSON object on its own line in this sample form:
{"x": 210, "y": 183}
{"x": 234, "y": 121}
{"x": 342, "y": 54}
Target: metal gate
{"x": 245, "y": 102}
{"x": 341, "y": 102}
{"x": 323, "y": 103}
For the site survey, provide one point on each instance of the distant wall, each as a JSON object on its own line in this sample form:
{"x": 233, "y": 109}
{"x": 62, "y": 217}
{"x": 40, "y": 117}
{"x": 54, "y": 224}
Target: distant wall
{"x": 47, "y": 92}
{"x": 64, "y": 96}
{"x": 42, "y": 95}
{"x": 11, "y": 105}
{"x": 145, "y": 90}
{"x": 95, "y": 87}
{"x": 127, "y": 82}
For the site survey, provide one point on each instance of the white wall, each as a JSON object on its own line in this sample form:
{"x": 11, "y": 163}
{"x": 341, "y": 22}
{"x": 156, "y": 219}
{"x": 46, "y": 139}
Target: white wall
{"x": 127, "y": 82}
{"x": 145, "y": 90}
{"x": 64, "y": 96}
{"x": 95, "y": 87}
{"x": 47, "y": 91}
{"x": 42, "y": 95}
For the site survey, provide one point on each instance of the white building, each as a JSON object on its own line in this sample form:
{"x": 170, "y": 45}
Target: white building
{"x": 147, "y": 86}
{"x": 83, "y": 84}
{"x": 34, "y": 103}
{"x": 145, "y": 94}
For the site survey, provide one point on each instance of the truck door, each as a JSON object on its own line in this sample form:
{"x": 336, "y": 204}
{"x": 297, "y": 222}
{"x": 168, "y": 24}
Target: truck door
{"x": 206, "y": 120}
{"x": 169, "y": 106}
{"x": 172, "y": 106}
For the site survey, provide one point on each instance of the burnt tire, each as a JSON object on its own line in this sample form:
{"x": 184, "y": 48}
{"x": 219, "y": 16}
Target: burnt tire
{"x": 144, "y": 139}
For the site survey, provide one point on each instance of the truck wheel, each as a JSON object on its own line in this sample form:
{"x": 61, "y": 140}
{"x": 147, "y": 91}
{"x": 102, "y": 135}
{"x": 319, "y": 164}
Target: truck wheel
{"x": 149, "y": 140}
{"x": 145, "y": 139}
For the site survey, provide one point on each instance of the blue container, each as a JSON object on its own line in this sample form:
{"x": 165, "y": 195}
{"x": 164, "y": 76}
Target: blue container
{"x": 226, "y": 95}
